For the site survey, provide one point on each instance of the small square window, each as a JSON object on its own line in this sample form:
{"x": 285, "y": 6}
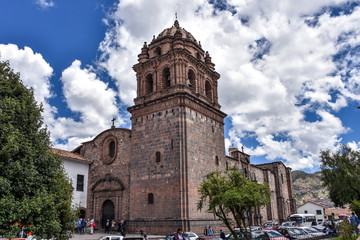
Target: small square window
{"x": 318, "y": 212}
{"x": 305, "y": 212}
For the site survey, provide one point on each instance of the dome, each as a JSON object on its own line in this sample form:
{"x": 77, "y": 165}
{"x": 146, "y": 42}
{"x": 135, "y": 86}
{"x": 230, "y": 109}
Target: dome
{"x": 170, "y": 32}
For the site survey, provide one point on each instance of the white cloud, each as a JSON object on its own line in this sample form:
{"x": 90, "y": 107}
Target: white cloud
{"x": 44, "y": 4}
{"x": 94, "y": 102}
{"x": 84, "y": 93}
{"x": 34, "y": 71}
{"x": 268, "y": 99}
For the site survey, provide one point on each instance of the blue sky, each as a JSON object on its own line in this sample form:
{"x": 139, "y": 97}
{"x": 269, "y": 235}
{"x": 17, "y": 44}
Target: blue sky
{"x": 290, "y": 71}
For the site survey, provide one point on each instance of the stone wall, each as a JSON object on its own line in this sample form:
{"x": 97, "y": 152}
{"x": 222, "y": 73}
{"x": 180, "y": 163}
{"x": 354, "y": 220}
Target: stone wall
{"x": 108, "y": 176}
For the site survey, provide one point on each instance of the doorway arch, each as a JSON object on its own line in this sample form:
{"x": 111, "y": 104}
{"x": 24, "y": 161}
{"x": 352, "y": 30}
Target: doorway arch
{"x": 108, "y": 212}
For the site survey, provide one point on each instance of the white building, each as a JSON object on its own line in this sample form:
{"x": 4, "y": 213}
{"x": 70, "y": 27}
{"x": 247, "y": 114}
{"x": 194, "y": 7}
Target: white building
{"x": 77, "y": 169}
{"x": 313, "y": 208}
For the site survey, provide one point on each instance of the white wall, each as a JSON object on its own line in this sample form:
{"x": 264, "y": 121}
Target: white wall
{"x": 311, "y": 209}
{"x": 73, "y": 168}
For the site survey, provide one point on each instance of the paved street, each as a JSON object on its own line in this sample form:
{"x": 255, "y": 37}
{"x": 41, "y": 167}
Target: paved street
{"x": 99, "y": 234}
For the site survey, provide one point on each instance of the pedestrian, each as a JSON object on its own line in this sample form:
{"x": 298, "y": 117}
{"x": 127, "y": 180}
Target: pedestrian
{"x": 88, "y": 226}
{"x": 205, "y": 231}
{"x": 92, "y": 227}
{"x": 79, "y": 226}
{"x": 107, "y": 226}
{"x": 113, "y": 226}
{"x": 83, "y": 226}
{"x": 145, "y": 237}
{"x": 178, "y": 235}
{"x": 354, "y": 220}
{"x": 222, "y": 234}
{"x": 210, "y": 231}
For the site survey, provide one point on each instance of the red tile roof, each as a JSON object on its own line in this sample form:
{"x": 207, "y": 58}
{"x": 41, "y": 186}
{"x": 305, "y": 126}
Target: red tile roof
{"x": 67, "y": 154}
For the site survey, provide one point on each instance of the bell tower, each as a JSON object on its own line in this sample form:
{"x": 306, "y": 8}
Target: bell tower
{"x": 177, "y": 133}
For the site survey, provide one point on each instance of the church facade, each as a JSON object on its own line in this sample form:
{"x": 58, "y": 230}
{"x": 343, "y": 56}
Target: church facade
{"x": 149, "y": 175}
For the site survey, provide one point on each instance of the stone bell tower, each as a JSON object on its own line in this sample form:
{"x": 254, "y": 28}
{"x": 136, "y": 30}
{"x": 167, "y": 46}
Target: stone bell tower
{"x": 177, "y": 133}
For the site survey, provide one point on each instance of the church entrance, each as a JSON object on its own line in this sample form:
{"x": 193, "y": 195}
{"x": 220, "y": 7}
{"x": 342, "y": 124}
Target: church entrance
{"x": 107, "y": 212}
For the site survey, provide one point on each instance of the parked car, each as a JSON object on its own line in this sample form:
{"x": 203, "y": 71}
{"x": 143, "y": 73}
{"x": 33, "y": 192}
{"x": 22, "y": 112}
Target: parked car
{"x": 112, "y": 238}
{"x": 171, "y": 236}
{"x": 271, "y": 225}
{"x": 133, "y": 238}
{"x": 275, "y": 235}
{"x": 191, "y": 235}
{"x": 256, "y": 228}
{"x": 258, "y": 235}
{"x": 293, "y": 233}
{"x": 288, "y": 224}
{"x": 313, "y": 231}
{"x": 320, "y": 228}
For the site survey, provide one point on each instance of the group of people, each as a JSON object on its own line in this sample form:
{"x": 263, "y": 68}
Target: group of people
{"x": 208, "y": 231}
{"x": 84, "y": 226}
{"x": 114, "y": 226}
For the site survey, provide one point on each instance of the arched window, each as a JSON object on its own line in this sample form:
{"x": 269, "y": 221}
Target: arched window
{"x": 217, "y": 161}
{"x": 158, "y": 51}
{"x": 150, "y": 198}
{"x": 158, "y": 156}
{"x": 149, "y": 84}
{"x": 208, "y": 90}
{"x": 191, "y": 79}
{"x": 112, "y": 149}
{"x": 166, "y": 77}
{"x": 198, "y": 56}
{"x": 282, "y": 178}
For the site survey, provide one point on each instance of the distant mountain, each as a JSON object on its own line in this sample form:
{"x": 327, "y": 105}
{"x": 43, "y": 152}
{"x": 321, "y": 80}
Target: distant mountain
{"x": 308, "y": 187}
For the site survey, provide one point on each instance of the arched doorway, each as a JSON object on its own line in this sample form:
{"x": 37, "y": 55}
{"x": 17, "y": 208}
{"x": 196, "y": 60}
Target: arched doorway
{"x": 107, "y": 212}
{"x": 82, "y": 213}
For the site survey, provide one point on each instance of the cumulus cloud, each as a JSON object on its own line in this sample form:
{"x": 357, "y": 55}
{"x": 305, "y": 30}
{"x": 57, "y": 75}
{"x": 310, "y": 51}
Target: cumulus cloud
{"x": 35, "y": 72}
{"x": 44, "y": 4}
{"x": 93, "y": 103}
{"x": 286, "y": 67}
{"x": 91, "y": 99}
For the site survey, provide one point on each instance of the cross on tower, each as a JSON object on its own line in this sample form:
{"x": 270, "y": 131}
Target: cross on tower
{"x": 242, "y": 148}
{"x": 113, "y": 125}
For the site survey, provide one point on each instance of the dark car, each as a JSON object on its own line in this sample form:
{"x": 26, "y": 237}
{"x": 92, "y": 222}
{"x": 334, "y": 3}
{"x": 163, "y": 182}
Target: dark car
{"x": 293, "y": 233}
{"x": 259, "y": 235}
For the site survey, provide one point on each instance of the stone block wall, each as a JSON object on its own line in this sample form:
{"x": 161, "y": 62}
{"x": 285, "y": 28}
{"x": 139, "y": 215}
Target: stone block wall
{"x": 108, "y": 176}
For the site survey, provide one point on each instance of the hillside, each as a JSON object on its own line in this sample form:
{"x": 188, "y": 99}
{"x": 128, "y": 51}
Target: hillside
{"x": 308, "y": 187}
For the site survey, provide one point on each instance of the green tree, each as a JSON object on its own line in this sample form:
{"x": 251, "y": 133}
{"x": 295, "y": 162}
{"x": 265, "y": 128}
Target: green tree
{"x": 34, "y": 190}
{"x": 230, "y": 196}
{"x": 341, "y": 175}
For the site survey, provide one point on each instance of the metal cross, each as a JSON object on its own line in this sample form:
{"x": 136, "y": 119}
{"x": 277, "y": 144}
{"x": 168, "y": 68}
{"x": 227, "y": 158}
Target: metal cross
{"x": 113, "y": 125}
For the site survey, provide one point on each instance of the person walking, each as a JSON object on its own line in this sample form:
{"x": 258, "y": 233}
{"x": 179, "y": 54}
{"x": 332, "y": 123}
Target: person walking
{"x": 83, "y": 226}
{"x": 92, "y": 227}
{"x": 222, "y": 235}
{"x": 79, "y": 226}
{"x": 210, "y": 231}
{"x": 205, "y": 231}
{"x": 107, "y": 226}
{"x": 354, "y": 220}
{"x": 178, "y": 235}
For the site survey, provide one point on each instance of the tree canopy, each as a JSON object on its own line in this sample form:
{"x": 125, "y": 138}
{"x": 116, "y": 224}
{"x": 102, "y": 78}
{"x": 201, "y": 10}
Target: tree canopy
{"x": 231, "y": 197}
{"x": 34, "y": 190}
{"x": 341, "y": 175}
